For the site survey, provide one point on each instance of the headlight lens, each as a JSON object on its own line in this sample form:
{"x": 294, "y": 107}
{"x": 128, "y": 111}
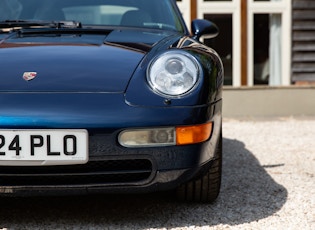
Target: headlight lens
{"x": 148, "y": 137}
{"x": 174, "y": 73}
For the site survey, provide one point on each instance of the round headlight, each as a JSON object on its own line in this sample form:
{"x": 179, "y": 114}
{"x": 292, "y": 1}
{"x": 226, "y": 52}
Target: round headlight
{"x": 173, "y": 74}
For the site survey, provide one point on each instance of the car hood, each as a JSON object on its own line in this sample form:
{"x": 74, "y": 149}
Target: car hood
{"x": 73, "y": 62}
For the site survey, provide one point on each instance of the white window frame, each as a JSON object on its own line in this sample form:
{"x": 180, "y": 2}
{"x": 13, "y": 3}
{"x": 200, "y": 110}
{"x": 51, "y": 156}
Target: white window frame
{"x": 282, "y": 7}
{"x": 227, "y": 7}
{"x": 184, "y": 7}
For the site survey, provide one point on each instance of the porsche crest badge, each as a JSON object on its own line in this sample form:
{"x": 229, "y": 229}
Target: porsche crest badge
{"x": 28, "y": 76}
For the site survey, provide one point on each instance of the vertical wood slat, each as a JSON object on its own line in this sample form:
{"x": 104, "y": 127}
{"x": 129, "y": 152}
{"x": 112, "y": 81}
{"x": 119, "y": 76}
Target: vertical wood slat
{"x": 193, "y": 8}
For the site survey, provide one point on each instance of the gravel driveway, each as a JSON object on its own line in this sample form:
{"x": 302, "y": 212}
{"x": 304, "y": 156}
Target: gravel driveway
{"x": 268, "y": 183}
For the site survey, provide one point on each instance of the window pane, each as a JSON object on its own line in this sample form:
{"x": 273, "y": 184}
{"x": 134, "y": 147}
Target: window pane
{"x": 267, "y": 49}
{"x": 261, "y": 49}
{"x": 223, "y": 43}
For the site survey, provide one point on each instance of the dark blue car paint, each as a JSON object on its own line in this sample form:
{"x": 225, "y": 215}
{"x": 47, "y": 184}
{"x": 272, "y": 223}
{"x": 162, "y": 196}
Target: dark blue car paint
{"x": 98, "y": 82}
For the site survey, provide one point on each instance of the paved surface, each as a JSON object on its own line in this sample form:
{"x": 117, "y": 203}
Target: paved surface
{"x": 268, "y": 183}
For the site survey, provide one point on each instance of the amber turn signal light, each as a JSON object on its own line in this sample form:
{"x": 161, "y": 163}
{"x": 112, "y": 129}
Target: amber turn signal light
{"x": 193, "y": 134}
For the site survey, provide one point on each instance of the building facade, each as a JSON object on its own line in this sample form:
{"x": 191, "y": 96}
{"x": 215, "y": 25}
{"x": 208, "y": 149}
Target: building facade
{"x": 261, "y": 42}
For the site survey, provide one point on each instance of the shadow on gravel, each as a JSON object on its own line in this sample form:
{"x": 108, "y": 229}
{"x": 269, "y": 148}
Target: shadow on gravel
{"x": 248, "y": 194}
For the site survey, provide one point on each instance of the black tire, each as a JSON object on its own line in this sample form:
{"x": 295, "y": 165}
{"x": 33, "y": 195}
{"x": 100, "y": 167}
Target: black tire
{"x": 206, "y": 187}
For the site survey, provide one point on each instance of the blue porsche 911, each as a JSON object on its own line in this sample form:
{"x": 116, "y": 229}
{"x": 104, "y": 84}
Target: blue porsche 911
{"x": 108, "y": 96}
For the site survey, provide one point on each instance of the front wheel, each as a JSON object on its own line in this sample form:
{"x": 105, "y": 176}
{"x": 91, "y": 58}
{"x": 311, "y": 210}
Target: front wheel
{"x": 205, "y": 188}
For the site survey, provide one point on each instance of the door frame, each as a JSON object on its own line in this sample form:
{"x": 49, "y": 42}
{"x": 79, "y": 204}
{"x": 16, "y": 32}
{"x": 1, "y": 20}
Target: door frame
{"x": 284, "y": 8}
{"x": 233, "y": 8}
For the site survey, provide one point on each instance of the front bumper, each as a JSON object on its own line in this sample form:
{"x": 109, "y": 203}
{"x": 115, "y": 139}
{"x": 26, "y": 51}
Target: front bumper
{"x": 129, "y": 170}
{"x": 111, "y": 168}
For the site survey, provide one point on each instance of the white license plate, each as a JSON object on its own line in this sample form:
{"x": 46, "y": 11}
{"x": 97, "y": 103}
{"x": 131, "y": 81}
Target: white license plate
{"x": 43, "y": 147}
